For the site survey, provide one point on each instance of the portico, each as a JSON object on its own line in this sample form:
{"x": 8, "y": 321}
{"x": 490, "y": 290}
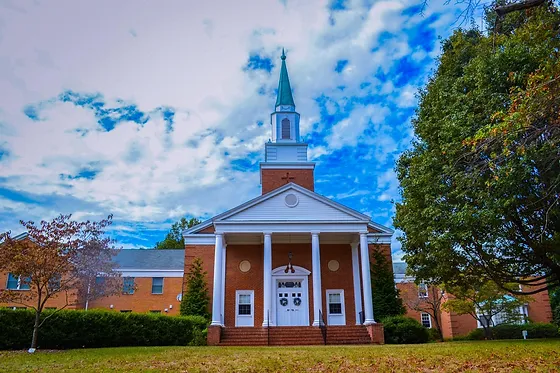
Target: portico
{"x": 290, "y": 259}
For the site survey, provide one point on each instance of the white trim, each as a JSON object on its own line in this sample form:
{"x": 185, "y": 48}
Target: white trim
{"x": 200, "y": 239}
{"x": 289, "y": 227}
{"x": 287, "y": 165}
{"x": 380, "y": 227}
{"x": 219, "y": 218}
{"x": 422, "y": 295}
{"x": 146, "y": 273}
{"x": 429, "y": 319}
{"x": 379, "y": 238}
{"x": 162, "y": 285}
{"x": 252, "y": 315}
{"x": 343, "y": 306}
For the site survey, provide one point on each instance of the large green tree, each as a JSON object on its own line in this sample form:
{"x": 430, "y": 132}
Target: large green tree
{"x": 385, "y": 296}
{"x": 481, "y": 184}
{"x": 174, "y": 238}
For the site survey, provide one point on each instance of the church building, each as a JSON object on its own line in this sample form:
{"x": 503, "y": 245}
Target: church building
{"x": 291, "y": 264}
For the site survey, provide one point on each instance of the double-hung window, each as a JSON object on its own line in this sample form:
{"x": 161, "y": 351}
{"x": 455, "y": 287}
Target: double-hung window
{"x": 244, "y": 305}
{"x": 128, "y": 285}
{"x": 17, "y": 282}
{"x": 335, "y": 303}
{"x": 422, "y": 290}
{"x": 157, "y": 285}
{"x": 426, "y": 319}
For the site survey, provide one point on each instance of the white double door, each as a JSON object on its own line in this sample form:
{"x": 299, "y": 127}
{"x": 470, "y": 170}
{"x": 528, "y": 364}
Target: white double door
{"x": 292, "y": 303}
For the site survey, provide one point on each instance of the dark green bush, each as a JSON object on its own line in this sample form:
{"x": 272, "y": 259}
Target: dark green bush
{"x": 88, "y": 329}
{"x": 433, "y": 334}
{"x": 534, "y": 330}
{"x": 402, "y": 329}
{"x": 513, "y": 331}
{"x": 475, "y": 335}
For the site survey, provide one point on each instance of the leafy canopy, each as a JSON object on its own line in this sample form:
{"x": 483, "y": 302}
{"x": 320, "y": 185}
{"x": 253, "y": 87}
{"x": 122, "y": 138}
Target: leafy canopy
{"x": 59, "y": 258}
{"x": 481, "y": 185}
{"x": 174, "y": 239}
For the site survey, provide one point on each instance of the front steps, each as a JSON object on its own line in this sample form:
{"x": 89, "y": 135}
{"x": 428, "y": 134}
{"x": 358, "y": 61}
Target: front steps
{"x": 294, "y": 336}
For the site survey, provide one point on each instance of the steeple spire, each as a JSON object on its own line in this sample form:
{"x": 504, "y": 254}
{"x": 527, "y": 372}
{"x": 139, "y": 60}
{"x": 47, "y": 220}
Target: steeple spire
{"x": 284, "y": 90}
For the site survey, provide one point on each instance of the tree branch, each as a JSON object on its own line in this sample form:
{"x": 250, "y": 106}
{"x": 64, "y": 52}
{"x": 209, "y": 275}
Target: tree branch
{"x": 505, "y": 9}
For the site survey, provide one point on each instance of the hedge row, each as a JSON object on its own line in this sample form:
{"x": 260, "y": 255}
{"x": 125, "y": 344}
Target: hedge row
{"x": 95, "y": 328}
{"x": 402, "y": 329}
{"x": 511, "y": 331}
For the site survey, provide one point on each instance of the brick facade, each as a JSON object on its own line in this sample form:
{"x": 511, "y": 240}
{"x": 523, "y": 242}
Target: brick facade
{"x": 143, "y": 300}
{"x": 272, "y": 178}
{"x": 454, "y": 325}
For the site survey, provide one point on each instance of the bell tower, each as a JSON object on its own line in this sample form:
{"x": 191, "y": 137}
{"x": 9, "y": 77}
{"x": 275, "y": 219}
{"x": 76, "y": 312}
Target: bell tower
{"x": 285, "y": 158}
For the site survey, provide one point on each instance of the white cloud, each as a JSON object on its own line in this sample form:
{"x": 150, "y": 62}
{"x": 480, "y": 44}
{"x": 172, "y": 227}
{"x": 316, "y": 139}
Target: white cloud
{"x": 189, "y": 56}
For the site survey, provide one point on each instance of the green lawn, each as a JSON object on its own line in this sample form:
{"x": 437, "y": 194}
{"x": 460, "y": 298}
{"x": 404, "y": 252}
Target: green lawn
{"x": 484, "y": 356}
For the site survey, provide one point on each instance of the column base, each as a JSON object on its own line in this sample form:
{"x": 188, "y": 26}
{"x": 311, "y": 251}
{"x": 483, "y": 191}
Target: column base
{"x": 214, "y": 335}
{"x": 376, "y": 333}
{"x": 265, "y": 324}
{"x": 316, "y": 323}
{"x": 369, "y": 322}
{"x": 217, "y": 323}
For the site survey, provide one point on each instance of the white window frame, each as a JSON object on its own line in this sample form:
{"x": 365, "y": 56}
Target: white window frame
{"x": 429, "y": 319}
{"x": 342, "y": 305}
{"x": 422, "y": 295}
{"x": 244, "y": 292}
{"x": 18, "y": 287}
{"x": 162, "y": 285}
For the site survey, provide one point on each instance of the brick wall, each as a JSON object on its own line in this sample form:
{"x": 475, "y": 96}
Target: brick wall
{"x": 56, "y": 301}
{"x": 143, "y": 300}
{"x": 206, "y": 253}
{"x": 272, "y": 179}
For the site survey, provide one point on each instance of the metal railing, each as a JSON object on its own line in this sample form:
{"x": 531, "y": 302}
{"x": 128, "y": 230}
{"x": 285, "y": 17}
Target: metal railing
{"x": 362, "y": 317}
{"x": 323, "y": 327}
{"x": 268, "y": 328}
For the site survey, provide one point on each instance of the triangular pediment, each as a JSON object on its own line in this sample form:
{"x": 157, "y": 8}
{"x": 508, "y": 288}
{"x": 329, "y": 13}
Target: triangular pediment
{"x": 292, "y": 203}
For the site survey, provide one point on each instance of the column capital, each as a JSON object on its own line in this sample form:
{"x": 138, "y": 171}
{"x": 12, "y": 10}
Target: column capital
{"x": 363, "y": 233}
{"x": 267, "y": 233}
{"x": 315, "y": 233}
{"x": 354, "y": 244}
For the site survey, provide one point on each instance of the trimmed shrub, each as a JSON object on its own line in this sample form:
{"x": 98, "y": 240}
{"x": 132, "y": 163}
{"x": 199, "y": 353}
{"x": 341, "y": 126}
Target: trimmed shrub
{"x": 96, "y": 328}
{"x": 534, "y": 330}
{"x": 475, "y": 335}
{"x": 433, "y": 335}
{"x": 402, "y": 329}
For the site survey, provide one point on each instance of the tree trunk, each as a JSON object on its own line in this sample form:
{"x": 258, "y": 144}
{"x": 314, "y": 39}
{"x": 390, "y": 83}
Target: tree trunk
{"x": 35, "y": 332}
{"x": 505, "y": 9}
{"x": 487, "y": 332}
{"x": 438, "y": 326}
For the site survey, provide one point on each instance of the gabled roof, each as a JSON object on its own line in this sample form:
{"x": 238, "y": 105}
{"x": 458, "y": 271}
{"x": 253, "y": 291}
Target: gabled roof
{"x": 241, "y": 211}
{"x": 150, "y": 259}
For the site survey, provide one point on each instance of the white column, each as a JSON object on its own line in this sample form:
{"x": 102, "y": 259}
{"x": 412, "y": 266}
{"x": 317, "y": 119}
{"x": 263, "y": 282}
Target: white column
{"x": 224, "y": 282}
{"x": 356, "y": 278}
{"x": 366, "y": 280}
{"x": 316, "y": 272}
{"x": 217, "y": 286}
{"x": 267, "y": 280}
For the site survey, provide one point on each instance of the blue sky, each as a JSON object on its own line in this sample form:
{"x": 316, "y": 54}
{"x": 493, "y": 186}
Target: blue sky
{"x": 152, "y": 111}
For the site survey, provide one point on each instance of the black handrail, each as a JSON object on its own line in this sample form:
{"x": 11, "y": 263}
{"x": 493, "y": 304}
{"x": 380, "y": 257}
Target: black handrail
{"x": 268, "y": 327}
{"x": 362, "y": 318}
{"x": 323, "y": 327}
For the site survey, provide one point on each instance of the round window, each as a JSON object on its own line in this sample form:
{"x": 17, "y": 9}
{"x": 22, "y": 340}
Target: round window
{"x": 245, "y": 266}
{"x": 291, "y": 200}
{"x": 333, "y": 265}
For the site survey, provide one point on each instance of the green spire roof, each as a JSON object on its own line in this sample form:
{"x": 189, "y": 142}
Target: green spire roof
{"x": 284, "y": 90}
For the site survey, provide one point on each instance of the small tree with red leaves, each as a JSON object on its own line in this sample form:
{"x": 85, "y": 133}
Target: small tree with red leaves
{"x": 60, "y": 258}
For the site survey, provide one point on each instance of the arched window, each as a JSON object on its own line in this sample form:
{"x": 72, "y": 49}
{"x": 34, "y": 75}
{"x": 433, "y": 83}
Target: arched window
{"x": 285, "y": 129}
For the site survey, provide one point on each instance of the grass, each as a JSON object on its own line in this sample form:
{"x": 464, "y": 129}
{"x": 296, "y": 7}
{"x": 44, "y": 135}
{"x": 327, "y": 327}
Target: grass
{"x": 468, "y": 356}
